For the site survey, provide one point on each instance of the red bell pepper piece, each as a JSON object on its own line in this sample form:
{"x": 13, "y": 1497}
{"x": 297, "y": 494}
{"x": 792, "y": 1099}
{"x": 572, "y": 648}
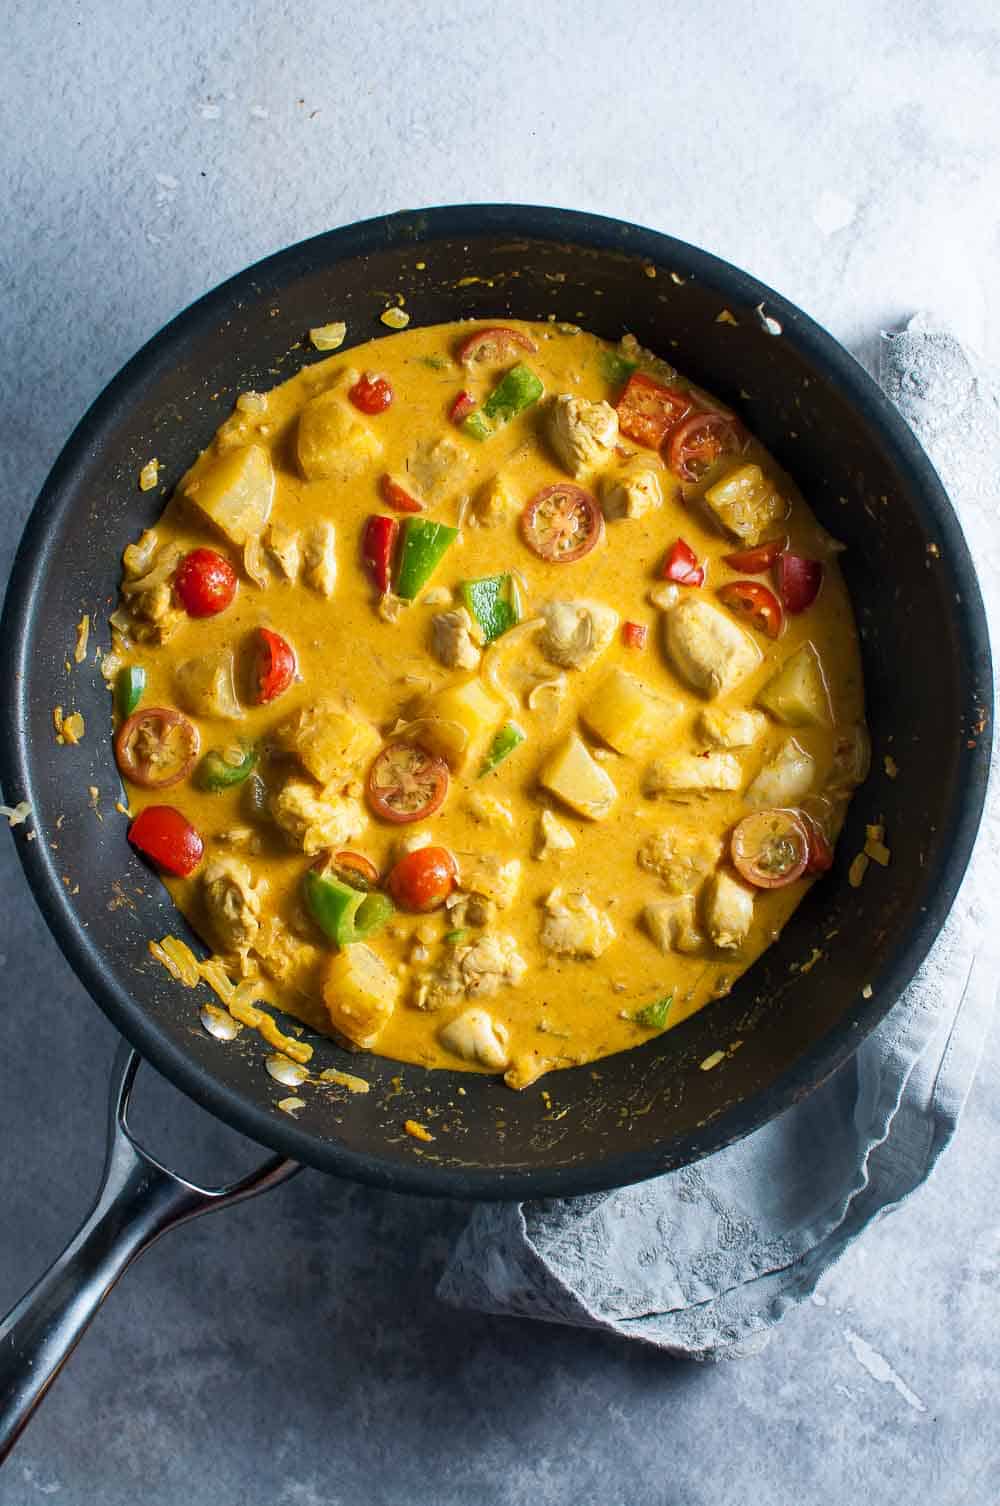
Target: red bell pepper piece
{"x": 377, "y": 545}
{"x": 397, "y": 496}
{"x": 635, "y": 634}
{"x": 681, "y": 565}
{"x": 461, "y": 407}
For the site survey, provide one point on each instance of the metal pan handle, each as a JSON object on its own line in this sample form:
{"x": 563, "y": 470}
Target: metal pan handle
{"x": 138, "y": 1201}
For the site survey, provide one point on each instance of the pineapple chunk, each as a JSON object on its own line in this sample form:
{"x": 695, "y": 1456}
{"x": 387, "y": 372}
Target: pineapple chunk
{"x": 331, "y": 743}
{"x": 234, "y": 492}
{"x": 626, "y": 714}
{"x": 206, "y": 686}
{"x": 746, "y": 503}
{"x": 578, "y": 780}
{"x": 458, "y": 721}
{"x": 789, "y": 776}
{"x": 360, "y": 994}
{"x": 798, "y": 693}
{"x": 728, "y": 910}
{"x": 731, "y": 729}
{"x": 334, "y": 444}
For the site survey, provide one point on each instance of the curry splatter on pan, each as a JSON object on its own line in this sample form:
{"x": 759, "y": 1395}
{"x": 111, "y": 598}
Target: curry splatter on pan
{"x": 929, "y": 707}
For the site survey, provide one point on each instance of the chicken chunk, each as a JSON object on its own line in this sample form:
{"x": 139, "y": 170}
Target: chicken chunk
{"x": 576, "y": 633}
{"x": 552, "y": 837}
{"x": 582, "y": 434}
{"x": 285, "y": 957}
{"x": 707, "y": 648}
{"x": 477, "y": 970}
{"x": 785, "y": 779}
{"x": 232, "y": 902}
{"x": 437, "y": 469}
{"x": 527, "y": 1068}
{"x": 574, "y": 926}
{"x": 285, "y": 547}
{"x": 494, "y": 504}
{"x": 147, "y": 593}
{"x": 728, "y": 911}
{"x": 680, "y": 859}
{"x": 692, "y": 771}
{"x": 494, "y": 878}
{"x": 746, "y": 503}
{"x": 332, "y": 744}
{"x": 476, "y": 1037}
{"x": 334, "y": 443}
{"x": 319, "y": 560}
{"x": 731, "y": 729}
{"x": 632, "y": 492}
{"x": 672, "y": 924}
{"x": 451, "y": 637}
{"x": 314, "y": 820}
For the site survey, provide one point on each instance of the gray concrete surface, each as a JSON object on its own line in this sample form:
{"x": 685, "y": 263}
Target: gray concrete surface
{"x": 291, "y": 1352}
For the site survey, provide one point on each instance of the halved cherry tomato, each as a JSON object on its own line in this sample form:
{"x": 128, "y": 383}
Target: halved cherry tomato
{"x": 405, "y": 783}
{"x": 205, "y": 583}
{"x": 370, "y": 393}
{"x": 156, "y": 747}
{"x": 398, "y": 497}
{"x": 799, "y": 580}
{"x": 647, "y": 410}
{"x": 355, "y": 869}
{"x": 491, "y": 347}
{"x": 378, "y": 541}
{"x": 681, "y": 565}
{"x": 162, "y": 834}
{"x": 634, "y": 635}
{"x": 698, "y": 442}
{"x": 756, "y": 561}
{"x": 422, "y": 880}
{"x": 561, "y": 523}
{"x": 820, "y": 851}
{"x": 274, "y": 665}
{"x": 770, "y": 848}
{"x": 461, "y": 407}
{"x": 754, "y": 603}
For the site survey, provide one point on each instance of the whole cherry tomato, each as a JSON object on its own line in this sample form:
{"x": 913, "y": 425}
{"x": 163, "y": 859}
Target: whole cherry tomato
{"x": 205, "y": 583}
{"x": 422, "y": 880}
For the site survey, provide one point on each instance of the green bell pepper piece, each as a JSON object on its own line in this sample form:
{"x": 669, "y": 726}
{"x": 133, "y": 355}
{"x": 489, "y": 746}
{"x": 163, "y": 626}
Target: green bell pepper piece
{"x": 504, "y": 743}
{"x": 423, "y": 546}
{"x": 343, "y": 914}
{"x": 129, "y": 688}
{"x": 454, "y": 938}
{"x": 654, "y": 1016}
{"x": 493, "y": 603}
{"x": 216, "y": 772}
{"x": 616, "y": 368}
{"x": 516, "y": 390}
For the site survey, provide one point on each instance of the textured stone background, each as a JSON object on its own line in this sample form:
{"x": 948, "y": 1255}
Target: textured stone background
{"x": 291, "y": 1353}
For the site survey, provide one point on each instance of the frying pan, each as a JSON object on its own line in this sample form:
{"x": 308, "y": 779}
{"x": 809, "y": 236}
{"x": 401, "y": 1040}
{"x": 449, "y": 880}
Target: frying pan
{"x": 926, "y": 658}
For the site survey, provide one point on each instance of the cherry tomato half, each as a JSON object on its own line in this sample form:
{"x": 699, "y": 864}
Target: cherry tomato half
{"x": 754, "y": 603}
{"x": 561, "y": 523}
{"x": 799, "y": 580}
{"x": 681, "y": 565}
{"x": 156, "y": 747}
{"x": 398, "y": 497}
{"x": 422, "y": 880}
{"x": 355, "y": 869}
{"x": 634, "y": 634}
{"x": 461, "y": 407}
{"x": 205, "y": 583}
{"x": 756, "y": 561}
{"x": 370, "y": 393}
{"x": 698, "y": 442}
{"x": 405, "y": 783}
{"x": 274, "y": 665}
{"x": 770, "y": 848}
{"x": 495, "y": 346}
{"x": 647, "y": 411}
{"x": 167, "y": 838}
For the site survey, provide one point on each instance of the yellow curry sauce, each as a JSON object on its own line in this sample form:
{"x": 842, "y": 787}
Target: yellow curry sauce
{"x": 574, "y": 911}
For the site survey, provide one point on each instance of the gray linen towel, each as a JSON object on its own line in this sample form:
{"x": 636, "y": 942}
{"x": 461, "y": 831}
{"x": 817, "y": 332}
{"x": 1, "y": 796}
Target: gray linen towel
{"x": 704, "y": 1261}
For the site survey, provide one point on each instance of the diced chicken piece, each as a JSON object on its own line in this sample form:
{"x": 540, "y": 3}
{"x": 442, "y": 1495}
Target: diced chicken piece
{"x": 241, "y": 839}
{"x": 494, "y": 504}
{"x": 730, "y": 729}
{"x": 285, "y": 548}
{"x": 491, "y": 812}
{"x": 411, "y": 841}
{"x": 680, "y": 859}
{"x": 728, "y": 911}
{"x": 234, "y": 491}
{"x": 452, "y": 641}
{"x": 746, "y": 503}
{"x": 852, "y": 757}
{"x": 632, "y": 492}
{"x": 528, "y": 1068}
{"x": 437, "y": 469}
{"x": 477, "y": 970}
{"x": 672, "y": 924}
{"x": 360, "y": 994}
{"x": 476, "y": 1037}
{"x": 232, "y": 902}
{"x": 574, "y": 926}
{"x": 627, "y": 714}
{"x": 576, "y": 633}
{"x": 334, "y": 443}
{"x": 707, "y": 648}
{"x": 693, "y": 771}
{"x": 494, "y": 878}
{"x": 332, "y": 744}
{"x": 798, "y": 694}
{"x": 789, "y": 776}
{"x": 665, "y": 596}
{"x": 206, "y": 686}
{"x": 148, "y": 593}
{"x": 319, "y": 559}
{"x": 582, "y": 434}
{"x": 285, "y": 957}
{"x": 469, "y": 910}
{"x": 459, "y": 720}
{"x": 314, "y": 820}
{"x": 575, "y": 777}
{"x": 552, "y": 837}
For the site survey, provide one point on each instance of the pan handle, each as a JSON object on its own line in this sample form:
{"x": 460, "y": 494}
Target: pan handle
{"x": 137, "y": 1202}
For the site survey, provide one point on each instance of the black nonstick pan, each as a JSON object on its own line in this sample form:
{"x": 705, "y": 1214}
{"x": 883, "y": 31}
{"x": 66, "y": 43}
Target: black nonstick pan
{"x": 926, "y": 658}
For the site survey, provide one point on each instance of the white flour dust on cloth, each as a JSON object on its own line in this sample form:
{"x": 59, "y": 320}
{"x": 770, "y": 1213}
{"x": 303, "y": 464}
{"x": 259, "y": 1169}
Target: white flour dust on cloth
{"x": 704, "y": 1261}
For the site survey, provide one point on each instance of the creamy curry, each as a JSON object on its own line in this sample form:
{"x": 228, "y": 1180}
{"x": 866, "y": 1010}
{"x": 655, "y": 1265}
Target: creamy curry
{"x": 487, "y": 697}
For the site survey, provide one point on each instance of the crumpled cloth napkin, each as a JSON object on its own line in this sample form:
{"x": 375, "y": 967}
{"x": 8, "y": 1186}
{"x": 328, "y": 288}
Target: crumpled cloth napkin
{"x": 704, "y": 1261}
